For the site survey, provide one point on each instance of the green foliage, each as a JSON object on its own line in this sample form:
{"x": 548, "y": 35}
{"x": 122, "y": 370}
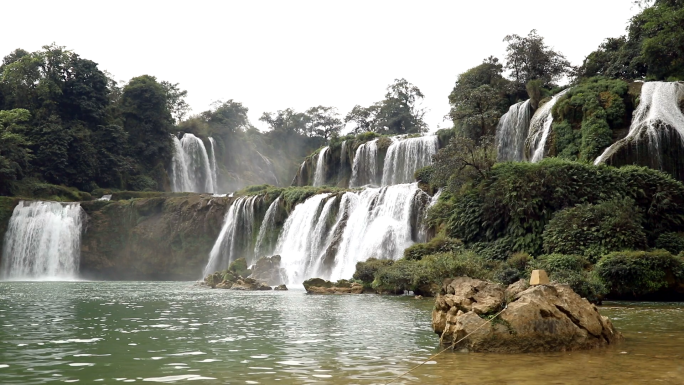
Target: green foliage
{"x": 529, "y": 58}
{"x": 517, "y": 200}
{"x": 555, "y": 263}
{"x": 653, "y": 48}
{"x": 365, "y": 271}
{"x": 635, "y": 274}
{"x": 478, "y": 99}
{"x": 15, "y": 154}
{"x": 424, "y": 175}
{"x": 463, "y": 162}
{"x": 398, "y": 113}
{"x": 438, "y": 244}
{"x": 573, "y": 271}
{"x": 431, "y": 270}
{"x": 593, "y": 230}
{"x": 142, "y": 183}
{"x": 672, "y": 242}
{"x": 32, "y": 188}
{"x": 584, "y": 118}
{"x": 239, "y": 267}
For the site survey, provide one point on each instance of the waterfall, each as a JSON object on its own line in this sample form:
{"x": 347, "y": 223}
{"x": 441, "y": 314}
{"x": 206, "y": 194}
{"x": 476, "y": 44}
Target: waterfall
{"x": 658, "y": 110}
{"x": 319, "y": 175}
{"x": 43, "y": 241}
{"x": 540, "y": 127}
{"x": 325, "y": 236}
{"x": 300, "y": 241}
{"x": 343, "y": 154}
{"x": 191, "y": 170}
{"x": 271, "y": 170}
{"x": 212, "y": 164}
{"x": 382, "y": 223}
{"x": 264, "y": 246}
{"x": 364, "y": 169}
{"x": 512, "y": 131}
{"x": 235, "y": 238}
{"x": 406, "y": 156}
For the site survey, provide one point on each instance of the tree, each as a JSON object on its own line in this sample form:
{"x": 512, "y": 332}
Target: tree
{"x": 175, "y": 101}
{"x": 363, "y": 118}
{"x": 479, "y": 99}
{"x": 287, "y": 121}
{"x": 528, "y": 58}
{"x": 324, "y": 122}
{"x": 15, "y": 155}
{"x": 399, "y": 113}
{"x": 147, "y": 120}
{"x": 463, "y": 161}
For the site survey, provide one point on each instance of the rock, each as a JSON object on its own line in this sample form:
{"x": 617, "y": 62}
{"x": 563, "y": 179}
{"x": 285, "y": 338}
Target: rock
{"x": 280, "y": 287}
{"x": 321, "y": 286}
{"x": 268, "y": 270}
{"x": 468, "y": 294}
{"x": 418, "y": 297}
{"x": 538, "y": 319}
{"x": 539, "y": 277}
{"x": 250, "y": 284}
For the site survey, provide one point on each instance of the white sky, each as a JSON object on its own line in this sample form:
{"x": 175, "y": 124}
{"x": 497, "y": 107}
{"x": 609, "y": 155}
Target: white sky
{"x": 271, "y": 55}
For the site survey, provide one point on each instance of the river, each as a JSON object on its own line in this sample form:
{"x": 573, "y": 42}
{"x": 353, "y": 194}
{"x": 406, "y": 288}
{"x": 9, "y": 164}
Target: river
{"x": 176, "y": 332}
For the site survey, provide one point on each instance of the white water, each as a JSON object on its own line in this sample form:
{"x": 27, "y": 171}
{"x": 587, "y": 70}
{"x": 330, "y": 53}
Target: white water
{"x": 343, "y": 154}
{"x": 319, "y": 175}
{"x": 658, "y": 110}
{"x": 405, "y": 156}
{"x": 540, "y": 127}
{"x": 512, "y": 131}
{"x": 271, "y": 169}
{"x": 263, "y": 247}
{"x": 43, "y": 241}
{"x": 212, "y": 164}
{"x": 191, "y": 170}
{"x": 364, "y": 168}
{"x": 234, "y": 240}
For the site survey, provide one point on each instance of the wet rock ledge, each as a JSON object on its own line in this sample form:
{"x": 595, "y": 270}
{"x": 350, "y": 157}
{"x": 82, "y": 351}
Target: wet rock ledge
{"x": 321, "y": 286}
{"x": 540, "y": 318}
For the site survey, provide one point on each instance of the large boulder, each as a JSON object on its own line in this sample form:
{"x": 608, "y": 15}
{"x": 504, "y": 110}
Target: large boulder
{"x": 268, "y": 270}
{"x": 321, "y": 286}
{"x": 537, "y": 319}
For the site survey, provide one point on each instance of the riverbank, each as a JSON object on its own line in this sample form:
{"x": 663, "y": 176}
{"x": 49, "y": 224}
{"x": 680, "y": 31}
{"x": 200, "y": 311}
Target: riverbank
{"x": 166, "y": 331}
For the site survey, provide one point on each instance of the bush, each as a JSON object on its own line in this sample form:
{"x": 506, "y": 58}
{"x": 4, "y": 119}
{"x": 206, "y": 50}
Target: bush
{"x": 430, "y": 271}
{"x": 595, "y": 229}
{"x": 438, "y": 244}
{"x": 424, "y": 174}
{"x": 635, "y": 274}
{"x": 239, "y": 267}
{"x": 141, "y": 183}
{"x": 365, "y": 271}
{"x": 672, "y": 242}
{"x": 572, "y": 270}
{"x": 555, "y": 263}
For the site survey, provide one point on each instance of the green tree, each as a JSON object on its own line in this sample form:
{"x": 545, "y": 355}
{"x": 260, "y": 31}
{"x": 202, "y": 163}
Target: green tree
{"x": 529, "y": 58}
{"x": 175, "y": 100}
{"x": 147, "y": 120}
{"x": 287, "y": 121}
{"x": 15, "y": 154}
{"x": 479, "y": 99}
{"x": 363, "y": 118}
{"x": 324, "y": 122}
{"x": 399, "y": 112}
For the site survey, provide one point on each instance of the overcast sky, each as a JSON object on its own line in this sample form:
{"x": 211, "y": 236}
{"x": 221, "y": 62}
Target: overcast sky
{"x": 271, "y": 55}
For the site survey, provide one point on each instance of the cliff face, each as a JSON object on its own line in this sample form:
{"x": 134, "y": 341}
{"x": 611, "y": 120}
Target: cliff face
{"x": 158, "y": 238}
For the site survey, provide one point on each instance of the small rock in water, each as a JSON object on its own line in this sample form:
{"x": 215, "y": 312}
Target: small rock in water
{"x": 280, "y": 287}
{"x": 418, "y": 297}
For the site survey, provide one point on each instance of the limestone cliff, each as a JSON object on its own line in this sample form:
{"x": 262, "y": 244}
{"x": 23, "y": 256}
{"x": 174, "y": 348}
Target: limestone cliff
{"x": 167, "y": 237}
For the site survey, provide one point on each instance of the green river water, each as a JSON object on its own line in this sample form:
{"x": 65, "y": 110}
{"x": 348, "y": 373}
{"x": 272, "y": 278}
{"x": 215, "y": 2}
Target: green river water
{"x": 175, "y": 332}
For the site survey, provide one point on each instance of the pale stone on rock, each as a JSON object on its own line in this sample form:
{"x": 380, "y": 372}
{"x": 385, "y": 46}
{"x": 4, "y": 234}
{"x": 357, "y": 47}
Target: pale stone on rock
{"x": 539, "y": 277}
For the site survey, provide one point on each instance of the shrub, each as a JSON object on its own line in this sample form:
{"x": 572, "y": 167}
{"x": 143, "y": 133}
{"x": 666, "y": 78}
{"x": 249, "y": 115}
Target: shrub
{"x": 672, "y": 242}
{"x": 595, "y": 229}
{"x": 365, "y": 271}
{"x": 239, "y": 267}
{"x": 572, "y": 270}
{"x": 438, "y": 244}
{"x": 554, "y": 263}
{"x": 424, "y": 174}
{"x": 141, "y": 183}
{"x": 636, "y": 274}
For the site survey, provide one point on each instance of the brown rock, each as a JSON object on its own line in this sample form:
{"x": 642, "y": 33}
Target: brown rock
{"x": 538, "y": 319}
{"x": 468, "y": 294}
{"x": 280, "y": 287}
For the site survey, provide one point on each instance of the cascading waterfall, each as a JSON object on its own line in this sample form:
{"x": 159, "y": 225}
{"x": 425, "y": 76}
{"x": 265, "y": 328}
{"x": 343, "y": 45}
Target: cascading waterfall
{"x": 406, "y": 156}
{"x": 191, "y": 170}
{"x": 343, "y": 154}
{"x": 43, "y": 241}
{"x": 212, "y": 163}
{"x": 270, "y": 167}
{"x": 264, "y": 246}
{"x": 364, "y": 169}
{"x": 325, "y": 236}
{"x": 658, "y": 110}
{"x": 235, "y": 239}
{"x": 319, "y": 175}
{"x": 540, "y": 127}
{"x": 512, "y": 131}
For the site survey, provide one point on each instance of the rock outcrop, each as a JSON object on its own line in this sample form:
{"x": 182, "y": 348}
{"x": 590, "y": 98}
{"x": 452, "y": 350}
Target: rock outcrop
{"x": 233, "y": 281}
{"x": 268, "y": 270}
{"x": 537, "y": 319}
{"x": 164, "y": 237}
{"x": 321, "y": 286}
